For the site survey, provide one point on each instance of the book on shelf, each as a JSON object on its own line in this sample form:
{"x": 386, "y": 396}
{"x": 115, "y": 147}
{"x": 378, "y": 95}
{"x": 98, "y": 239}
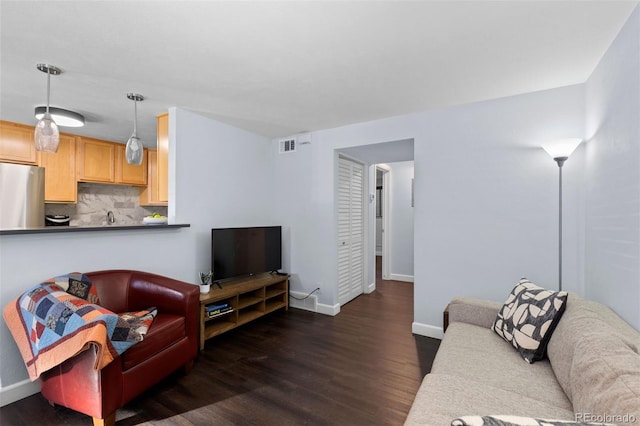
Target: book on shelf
{"x": 218, "y": 312}
{"x": 215, "y": 307}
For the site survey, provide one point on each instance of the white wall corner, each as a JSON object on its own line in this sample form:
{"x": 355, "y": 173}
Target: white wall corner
{"x": 18, "y": 391}
{"x": 332, "y": 310}
{"x": 370, "y": 288}
{"x": 400, "y": 277}
{"x": 427, "y": 330}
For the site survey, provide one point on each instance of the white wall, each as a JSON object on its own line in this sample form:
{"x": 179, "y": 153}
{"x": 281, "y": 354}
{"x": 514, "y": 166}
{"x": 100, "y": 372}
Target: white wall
{"x": 294, "y": 206}
{"x": 223, "y": 179}
{"x": 613, "y": 176}
{"x": 485, "y": 198}
{"x": 218, "y": 177}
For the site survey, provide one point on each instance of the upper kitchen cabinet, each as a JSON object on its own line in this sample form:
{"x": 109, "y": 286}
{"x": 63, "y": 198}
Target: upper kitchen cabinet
{"x": 163, "y": 157}
{"x": 105, "y": 162}
{"x": 127, "y": 173}
{"x": 60, "y": 185}
{"x": 149, "y": 195}
{"x": 95, "y": 160}
{"x": 16, "y": 143}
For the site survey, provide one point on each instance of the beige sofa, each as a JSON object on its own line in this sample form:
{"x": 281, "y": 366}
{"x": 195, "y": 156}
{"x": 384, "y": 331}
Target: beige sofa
{"x": 592, "y": 374}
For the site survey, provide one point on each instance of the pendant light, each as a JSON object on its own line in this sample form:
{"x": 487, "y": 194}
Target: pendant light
{"x": 47, "y": 135}
{"x": 134, "y": 149}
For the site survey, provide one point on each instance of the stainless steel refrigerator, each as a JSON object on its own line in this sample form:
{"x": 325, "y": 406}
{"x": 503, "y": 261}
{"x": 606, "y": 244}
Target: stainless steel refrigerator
{"x": 21, "y": 196}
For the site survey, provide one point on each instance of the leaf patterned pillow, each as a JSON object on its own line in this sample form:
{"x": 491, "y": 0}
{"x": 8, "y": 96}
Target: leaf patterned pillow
{"x": 528, "y": 317}
{"x": 514, "y": 421}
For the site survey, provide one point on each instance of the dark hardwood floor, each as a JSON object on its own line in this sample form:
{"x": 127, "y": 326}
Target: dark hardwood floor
{"x": 361, "y": 367}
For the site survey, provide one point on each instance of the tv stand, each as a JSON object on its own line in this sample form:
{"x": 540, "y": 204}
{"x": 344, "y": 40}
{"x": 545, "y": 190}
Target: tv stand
{"x": 249, "y": 298}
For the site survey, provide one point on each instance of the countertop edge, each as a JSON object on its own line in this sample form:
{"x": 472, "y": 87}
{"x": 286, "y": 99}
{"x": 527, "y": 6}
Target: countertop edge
{"x": 67, "y": 229}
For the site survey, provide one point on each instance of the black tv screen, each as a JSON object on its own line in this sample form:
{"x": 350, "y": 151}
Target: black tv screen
{"x": 237, "y": 252}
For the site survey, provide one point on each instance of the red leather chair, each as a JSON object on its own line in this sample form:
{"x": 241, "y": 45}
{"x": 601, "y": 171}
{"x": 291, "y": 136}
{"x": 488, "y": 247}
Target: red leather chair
{"x": 170, "y": 343}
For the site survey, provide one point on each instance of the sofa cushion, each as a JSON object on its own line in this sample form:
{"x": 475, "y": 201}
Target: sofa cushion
{"x": 528, "y": 318}
{"x": 516, "y": 421}
{"x": 583, "y": 318}
{"x": 476, "y": 353}
{"x": 443, "y": 397}
{"x": 165, "y": 330}
{"x": 605, "y": 377}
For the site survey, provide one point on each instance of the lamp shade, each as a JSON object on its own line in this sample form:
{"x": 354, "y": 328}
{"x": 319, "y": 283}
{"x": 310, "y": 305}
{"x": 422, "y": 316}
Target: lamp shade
{"x": 561, "y": 148}
{"x": 62, "y": 117}
{"x": 134, "y": 150}
{"x": 47, "y": 135}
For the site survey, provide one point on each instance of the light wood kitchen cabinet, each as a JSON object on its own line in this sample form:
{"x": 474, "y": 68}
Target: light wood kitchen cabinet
{"x": 163, "y": 157}
{"x": 149, "y": 194}
{"x": 17, "y": 143}
{"x": 95, "y": 160}
{"x": 128, "y": 173}
{"x": 60, "y": 184}
{"x": 105, "y": 162}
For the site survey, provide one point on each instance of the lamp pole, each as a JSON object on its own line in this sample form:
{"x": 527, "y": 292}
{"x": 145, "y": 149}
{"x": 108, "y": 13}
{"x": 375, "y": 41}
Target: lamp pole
{"x": 560, "y": 150}
{"x": 560, "y": 161}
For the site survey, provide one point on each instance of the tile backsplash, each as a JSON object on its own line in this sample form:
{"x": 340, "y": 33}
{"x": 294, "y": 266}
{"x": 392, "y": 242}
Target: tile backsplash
{"x": 95, "y": 200}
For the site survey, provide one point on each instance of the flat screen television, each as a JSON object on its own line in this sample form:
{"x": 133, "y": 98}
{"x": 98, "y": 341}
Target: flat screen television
{"x": 237, "y": 252}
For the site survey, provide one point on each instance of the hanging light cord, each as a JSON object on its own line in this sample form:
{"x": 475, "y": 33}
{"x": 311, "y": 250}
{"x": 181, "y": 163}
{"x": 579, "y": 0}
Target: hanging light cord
{"x": 48, "y": 90}
{"x": 135, "y": 117}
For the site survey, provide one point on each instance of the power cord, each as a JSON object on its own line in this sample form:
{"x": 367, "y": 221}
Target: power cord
{"x": 306, "y": 297}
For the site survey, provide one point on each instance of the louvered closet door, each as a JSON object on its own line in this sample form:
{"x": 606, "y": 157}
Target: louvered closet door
{"x": 350, "y": 230}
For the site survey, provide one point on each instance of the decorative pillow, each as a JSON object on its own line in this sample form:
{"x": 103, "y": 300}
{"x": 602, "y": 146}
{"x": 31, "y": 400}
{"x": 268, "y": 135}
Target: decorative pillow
{"x": 80, "y": 286}
{"x": 132, "y": 326}
{"x": 528, "y": 317}
{"x": 514, "y": 421}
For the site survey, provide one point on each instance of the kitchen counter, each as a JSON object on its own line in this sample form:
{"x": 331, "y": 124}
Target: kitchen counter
{"x": 102, "y": 228}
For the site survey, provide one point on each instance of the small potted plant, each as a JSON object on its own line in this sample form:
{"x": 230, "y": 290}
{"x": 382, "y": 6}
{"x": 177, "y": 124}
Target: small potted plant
{"x": 205, "y": 281}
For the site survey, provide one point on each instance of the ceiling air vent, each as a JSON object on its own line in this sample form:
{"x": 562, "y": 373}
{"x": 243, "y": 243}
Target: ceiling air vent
{"x": 287, "y": 145}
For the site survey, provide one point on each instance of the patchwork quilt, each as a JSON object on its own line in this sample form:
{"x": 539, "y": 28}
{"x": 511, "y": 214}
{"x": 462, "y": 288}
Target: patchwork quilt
{"x": 55, "y": 320}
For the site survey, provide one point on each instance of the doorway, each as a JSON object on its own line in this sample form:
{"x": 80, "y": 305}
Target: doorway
{"x": 385, "y": 154}
{"x": 383, "y": 230}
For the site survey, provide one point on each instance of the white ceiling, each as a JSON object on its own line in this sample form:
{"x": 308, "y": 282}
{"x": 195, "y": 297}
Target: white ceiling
{"x": 279, "y": 68}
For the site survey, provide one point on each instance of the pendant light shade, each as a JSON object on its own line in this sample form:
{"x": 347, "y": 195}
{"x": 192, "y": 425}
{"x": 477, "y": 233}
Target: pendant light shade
{"x": 47, "y": 135}
{"x": 134, "y": 149}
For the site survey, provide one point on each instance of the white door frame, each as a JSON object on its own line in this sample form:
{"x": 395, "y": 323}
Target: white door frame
{"x": 386, "y": 222}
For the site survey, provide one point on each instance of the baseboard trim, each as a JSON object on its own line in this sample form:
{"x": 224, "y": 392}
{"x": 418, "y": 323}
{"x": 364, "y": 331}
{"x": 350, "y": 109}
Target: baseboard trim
{"x": 370, "y": 288}
{"x": 427, "y": 330}
{"x": 400, "y": 277}
{"x": 18, "y": 391}
{"x": 332, "y": 310}
{"x": 320, "y": 308}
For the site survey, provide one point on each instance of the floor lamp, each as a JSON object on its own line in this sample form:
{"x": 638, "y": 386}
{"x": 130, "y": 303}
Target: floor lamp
{"x": 560, "y": 150}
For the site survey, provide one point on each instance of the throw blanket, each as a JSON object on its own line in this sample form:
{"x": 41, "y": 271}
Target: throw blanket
{"x": 51, "y": 325}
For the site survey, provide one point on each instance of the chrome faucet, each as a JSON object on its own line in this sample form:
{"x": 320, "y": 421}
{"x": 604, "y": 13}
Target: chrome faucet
{"x": 110, "y": 218}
